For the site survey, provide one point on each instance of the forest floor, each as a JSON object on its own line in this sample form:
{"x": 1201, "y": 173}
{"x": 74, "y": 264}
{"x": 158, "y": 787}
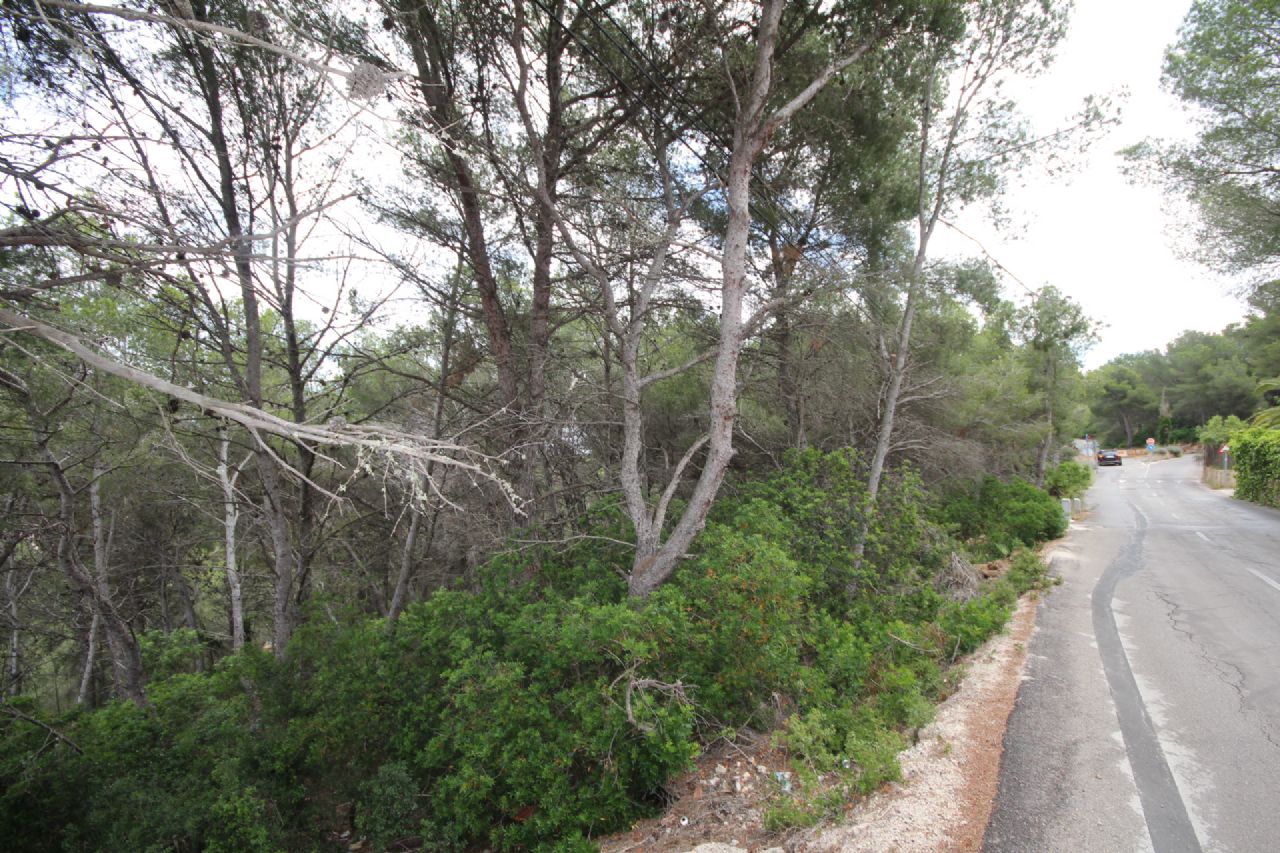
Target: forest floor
{"x": 942, "y": 804}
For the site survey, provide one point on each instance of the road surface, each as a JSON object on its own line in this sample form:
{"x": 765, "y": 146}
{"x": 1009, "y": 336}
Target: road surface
{"x": 1149, "y": 716}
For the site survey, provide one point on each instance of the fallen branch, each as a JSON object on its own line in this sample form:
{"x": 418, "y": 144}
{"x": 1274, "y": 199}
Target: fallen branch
{"x": 673, "y": 689}
{"x": 414, "y": 453}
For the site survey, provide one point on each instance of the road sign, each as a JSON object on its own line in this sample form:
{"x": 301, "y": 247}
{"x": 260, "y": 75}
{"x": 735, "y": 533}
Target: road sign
{"x": 1151, "y": 442}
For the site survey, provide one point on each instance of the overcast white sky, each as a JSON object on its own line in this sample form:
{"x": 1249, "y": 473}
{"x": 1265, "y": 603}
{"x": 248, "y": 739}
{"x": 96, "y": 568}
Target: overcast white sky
{"x": 1109, "y": 244}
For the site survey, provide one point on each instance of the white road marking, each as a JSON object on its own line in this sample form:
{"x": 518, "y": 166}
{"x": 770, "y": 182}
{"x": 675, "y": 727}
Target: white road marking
{"x": 1268, "y": 581}
{"x": 1202, "y": 536}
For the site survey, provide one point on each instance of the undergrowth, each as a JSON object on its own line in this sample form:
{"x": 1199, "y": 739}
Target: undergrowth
{"x": 544, "y": 708}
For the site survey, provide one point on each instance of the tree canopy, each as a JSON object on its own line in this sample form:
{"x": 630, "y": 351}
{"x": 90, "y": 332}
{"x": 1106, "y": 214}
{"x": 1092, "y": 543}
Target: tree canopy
{"x": 1225, "y": 65}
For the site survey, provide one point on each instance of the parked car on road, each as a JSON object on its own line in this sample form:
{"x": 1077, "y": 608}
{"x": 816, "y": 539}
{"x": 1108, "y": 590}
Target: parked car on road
{"x": 1109, "y": 457}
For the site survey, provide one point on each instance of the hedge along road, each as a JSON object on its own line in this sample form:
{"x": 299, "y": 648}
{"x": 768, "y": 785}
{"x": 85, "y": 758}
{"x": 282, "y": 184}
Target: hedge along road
{"x": 1149, "y": 718}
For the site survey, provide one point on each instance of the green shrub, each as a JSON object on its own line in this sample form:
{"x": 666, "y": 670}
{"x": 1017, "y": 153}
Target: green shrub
{"x": 999, "y": 517}
{"x": 1257, "y": 463}
{"x": 900, "y": 700}
{"x": 1069, "y": 479}
{"x": 1218, "y": 430}
{"x": 167, "y": 654}
{"x": 1026, "y": 572}
{"x": 821, "y": 502}
{"x": 387, "y": 806}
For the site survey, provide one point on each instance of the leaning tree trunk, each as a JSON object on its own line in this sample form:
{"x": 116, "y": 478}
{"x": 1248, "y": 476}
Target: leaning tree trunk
{"x": 90, "y": 657}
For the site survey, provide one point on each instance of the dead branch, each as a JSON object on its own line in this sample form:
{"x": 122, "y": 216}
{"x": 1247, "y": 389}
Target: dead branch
{"x": 412, "y": 453}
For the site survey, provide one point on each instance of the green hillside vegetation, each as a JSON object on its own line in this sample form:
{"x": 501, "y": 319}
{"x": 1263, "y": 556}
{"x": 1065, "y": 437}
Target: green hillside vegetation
{"x": 545, "y": 707}
{"x": 431, "y": 423}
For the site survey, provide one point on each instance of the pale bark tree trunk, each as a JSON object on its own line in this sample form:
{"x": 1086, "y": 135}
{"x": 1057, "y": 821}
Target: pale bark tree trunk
{"x": 928, "y": 213}
{"x": 1042, "y": 458}
{"x": 1001, "y": 36}
{"x": 90, "y": 657}
{"x": 230, "y": 519}
{"x": 655, "y": 560}
{"x": 1046, "y": 446}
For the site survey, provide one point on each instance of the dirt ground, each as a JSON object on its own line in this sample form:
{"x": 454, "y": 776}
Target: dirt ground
{"x": 941, "y": 806}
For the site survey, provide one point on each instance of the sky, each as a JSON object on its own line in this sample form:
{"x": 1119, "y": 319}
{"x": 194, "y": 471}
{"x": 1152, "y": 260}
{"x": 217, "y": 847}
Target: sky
{"x": 1109, "y": 244}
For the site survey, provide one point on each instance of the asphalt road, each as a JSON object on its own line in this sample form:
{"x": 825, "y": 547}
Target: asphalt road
{"x": 1149, "y": 716}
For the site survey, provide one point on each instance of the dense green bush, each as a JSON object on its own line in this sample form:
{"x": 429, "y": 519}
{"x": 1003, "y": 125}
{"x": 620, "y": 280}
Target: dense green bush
{"x": 1069, "y": 479}
{"x": 544, "y": 707}
{"x": 1257, "y": 462}
{"x": 1218, "y": 430}
{"x": 998, "y": 517}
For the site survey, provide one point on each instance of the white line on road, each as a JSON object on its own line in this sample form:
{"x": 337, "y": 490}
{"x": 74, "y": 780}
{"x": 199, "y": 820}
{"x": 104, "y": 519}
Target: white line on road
{"x": 1268, "y": 581}
{"x": 1202, "y": 536}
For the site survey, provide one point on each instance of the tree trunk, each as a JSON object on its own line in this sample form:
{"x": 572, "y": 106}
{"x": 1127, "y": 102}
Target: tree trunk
{"x": 1042, "y": 458}
{"x": 14, "y": 662}
{"x": 230, "y": 518}
{"x": 126, "y": 657}
{"x": 897, "y": 366}
{"x": 400, "y": 595}
{"x": 127, "y": 660}
{"x": 12, "y": 592}
{"x": 788, "y": 380}
{"x": 204, "y": 65}
{"x": 655, "y": 562}
{"x": 426, "y": 43}
{"x": 283, "y": 612}
{"x": 90, "y": 655}
{"x": 753, "y": 129}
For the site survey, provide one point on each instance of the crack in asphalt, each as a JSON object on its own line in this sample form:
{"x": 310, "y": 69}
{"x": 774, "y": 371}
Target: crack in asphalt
{"x": 1225, "y": 669}
{"x": 1168, "y": 823}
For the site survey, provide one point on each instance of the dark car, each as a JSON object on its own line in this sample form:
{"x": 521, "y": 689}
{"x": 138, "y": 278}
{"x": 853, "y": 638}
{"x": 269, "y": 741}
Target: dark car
{"x": 1109, "y": 457}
